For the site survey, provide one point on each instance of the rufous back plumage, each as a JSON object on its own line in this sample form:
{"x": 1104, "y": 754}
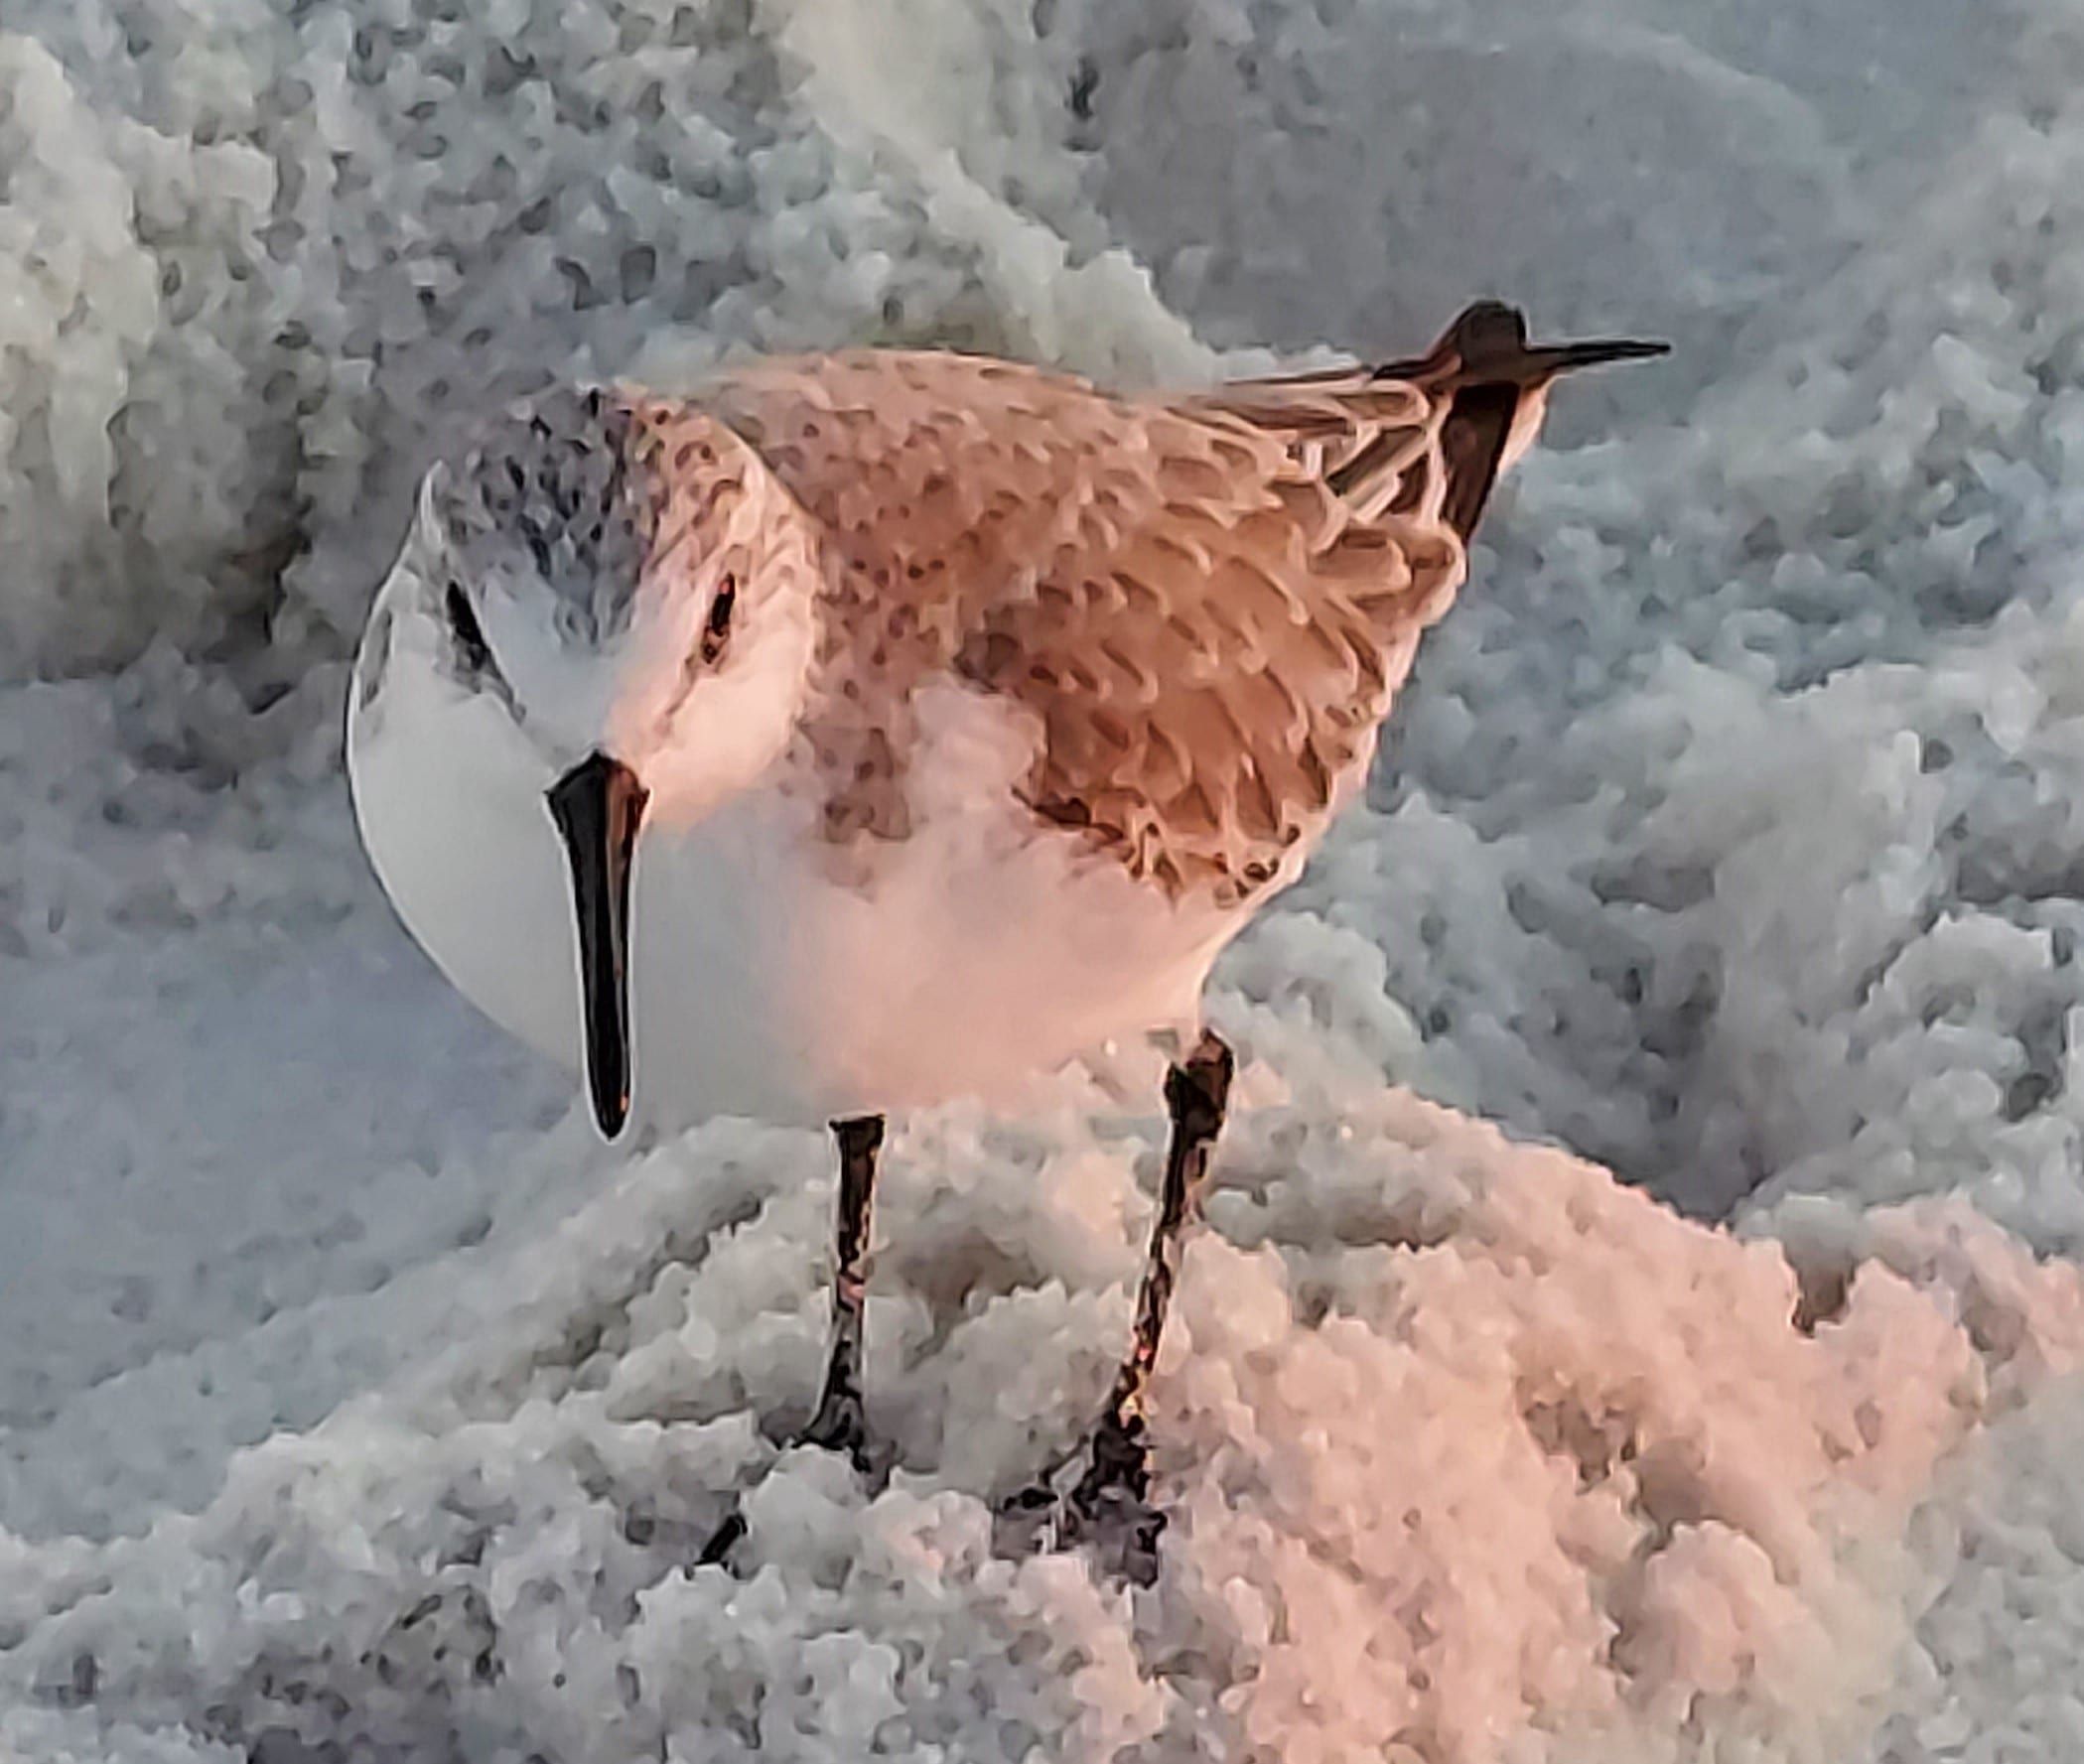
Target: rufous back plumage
{"x": 1205, "y": 601}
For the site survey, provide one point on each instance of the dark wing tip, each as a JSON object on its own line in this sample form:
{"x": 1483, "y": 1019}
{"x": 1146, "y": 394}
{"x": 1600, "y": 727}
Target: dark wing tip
{"x": 1490, "y": 369}
{"x": 1487, "y": 341}
{"x": 1564, "y": 358}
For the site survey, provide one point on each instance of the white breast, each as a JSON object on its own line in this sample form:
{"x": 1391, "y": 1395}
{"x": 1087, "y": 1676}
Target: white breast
{"x": 964, "y": 960}
{"x": 449, "y": 800}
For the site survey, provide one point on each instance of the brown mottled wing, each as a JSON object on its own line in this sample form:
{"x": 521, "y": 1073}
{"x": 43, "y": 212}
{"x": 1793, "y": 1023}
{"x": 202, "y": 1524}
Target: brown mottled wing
{"x": 1207, "y": 634}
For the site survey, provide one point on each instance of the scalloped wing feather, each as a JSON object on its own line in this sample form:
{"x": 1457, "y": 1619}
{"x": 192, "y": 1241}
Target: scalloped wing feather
{"x": 1204, "y": 604}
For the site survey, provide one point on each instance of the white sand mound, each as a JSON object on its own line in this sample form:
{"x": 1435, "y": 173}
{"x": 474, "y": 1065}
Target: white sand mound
{"x": 1471, "y": 1453}
{"x": 353, "y": 1406}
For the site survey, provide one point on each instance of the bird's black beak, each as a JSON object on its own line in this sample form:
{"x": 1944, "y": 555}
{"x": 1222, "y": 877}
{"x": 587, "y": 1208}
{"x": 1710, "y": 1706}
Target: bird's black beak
{"x": 597, "y": 806}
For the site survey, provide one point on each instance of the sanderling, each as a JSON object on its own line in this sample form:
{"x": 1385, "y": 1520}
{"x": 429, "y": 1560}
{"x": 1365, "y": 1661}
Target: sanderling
{"x": 879, "y": 728}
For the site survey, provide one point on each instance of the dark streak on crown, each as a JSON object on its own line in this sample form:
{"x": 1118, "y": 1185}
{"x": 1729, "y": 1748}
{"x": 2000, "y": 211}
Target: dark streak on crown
{"x": 548, "y": 491}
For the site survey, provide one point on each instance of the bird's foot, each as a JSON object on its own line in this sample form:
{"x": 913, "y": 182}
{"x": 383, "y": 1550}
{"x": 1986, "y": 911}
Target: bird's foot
{"x": 1097, "y": 1497}
{"x": 840, "y": 1427}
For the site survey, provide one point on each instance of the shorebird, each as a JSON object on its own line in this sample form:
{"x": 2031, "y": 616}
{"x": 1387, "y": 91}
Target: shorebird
{"x": 873, "y": 728}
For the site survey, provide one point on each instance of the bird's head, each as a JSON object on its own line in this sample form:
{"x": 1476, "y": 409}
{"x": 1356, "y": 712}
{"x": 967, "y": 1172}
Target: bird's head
{"x": 628, "y": 589}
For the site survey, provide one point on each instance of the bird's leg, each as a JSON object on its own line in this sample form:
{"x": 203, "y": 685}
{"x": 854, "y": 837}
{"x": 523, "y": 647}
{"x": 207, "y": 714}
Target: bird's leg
{"x": 840, "y": 1424}
{"x": 1195, "y": 1094}
{"x": 1110, "y": 1499}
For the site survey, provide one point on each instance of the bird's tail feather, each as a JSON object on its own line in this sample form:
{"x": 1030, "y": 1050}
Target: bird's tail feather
{"x": 1484, "y": 371}
{"x": 1488, "y": 345}
{"x": 1384, "y": 437}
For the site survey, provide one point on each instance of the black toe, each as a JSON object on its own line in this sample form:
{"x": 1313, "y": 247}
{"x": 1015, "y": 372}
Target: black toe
{"x": 1106, "y": 1510}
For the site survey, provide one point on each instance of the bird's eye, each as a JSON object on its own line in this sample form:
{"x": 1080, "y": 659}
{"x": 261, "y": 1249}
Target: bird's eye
{"x": 717, "y": 632}
{"x": 471, "y": 648}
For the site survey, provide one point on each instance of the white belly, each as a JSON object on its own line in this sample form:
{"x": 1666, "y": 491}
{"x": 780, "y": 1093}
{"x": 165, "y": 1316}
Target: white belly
{"x": 962, "y": 962}
{"x": 765, "y": 988}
